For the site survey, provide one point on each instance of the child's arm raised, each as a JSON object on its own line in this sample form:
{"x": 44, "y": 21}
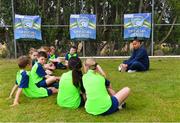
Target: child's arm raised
{"x": 100, "y": 70}
{"x": 85, "y": 68}
{"x": 16, "y": 100}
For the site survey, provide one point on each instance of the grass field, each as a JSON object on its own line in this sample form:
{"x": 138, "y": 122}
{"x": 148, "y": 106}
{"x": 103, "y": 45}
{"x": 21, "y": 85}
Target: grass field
{"x": 155, "y": 96}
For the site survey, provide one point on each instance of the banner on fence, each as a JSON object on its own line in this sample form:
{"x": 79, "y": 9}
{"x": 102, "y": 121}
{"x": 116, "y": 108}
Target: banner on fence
{"x": 82, "y": 26}
{"x": 27, "y": 27}
{"x": 137, "y": 25}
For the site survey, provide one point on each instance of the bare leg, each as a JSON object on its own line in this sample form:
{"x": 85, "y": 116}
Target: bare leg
{"x": 48, "y": 72}
{"x": 51, "y": 79}
{"x": 122, "y": 94}
{"x": 54, "y": 90}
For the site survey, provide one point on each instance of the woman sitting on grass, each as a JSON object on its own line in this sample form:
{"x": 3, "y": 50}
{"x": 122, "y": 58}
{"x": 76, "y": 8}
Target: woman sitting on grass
{"x": 70, "y": 87}
{"x": 99, "y": 102}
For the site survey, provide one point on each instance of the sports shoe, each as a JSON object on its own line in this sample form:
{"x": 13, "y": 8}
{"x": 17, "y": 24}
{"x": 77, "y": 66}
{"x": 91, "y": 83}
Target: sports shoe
{"x": 119, "y": 68}
{"x": 131, "y": 71}
{"x": 122, "y": 106}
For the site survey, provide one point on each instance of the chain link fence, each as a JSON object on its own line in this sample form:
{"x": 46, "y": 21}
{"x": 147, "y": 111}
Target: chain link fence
{"x": 109, "y": 40}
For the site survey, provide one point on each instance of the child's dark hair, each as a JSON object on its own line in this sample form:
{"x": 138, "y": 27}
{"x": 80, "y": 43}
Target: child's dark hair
{"x": 74, "y": 47}
{"x": 137, "y": 39}
{"x": 23, "y": 61}
{"x": 75, "y": 65}
{"x": 42, "y": 54}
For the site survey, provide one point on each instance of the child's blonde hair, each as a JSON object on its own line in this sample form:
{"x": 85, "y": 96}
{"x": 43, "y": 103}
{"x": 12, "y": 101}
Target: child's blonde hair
{"x": 91, "y": 63}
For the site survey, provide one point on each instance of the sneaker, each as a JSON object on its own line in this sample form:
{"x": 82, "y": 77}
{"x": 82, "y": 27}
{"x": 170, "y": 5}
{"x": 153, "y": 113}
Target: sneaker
{"x": 119, "y": 68}
{"x": 131, "y": 71}
{"x": 122, "y": 106}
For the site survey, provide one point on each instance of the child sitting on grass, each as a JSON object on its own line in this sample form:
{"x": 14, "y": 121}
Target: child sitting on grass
{"x": 49, "y": 67}
{"x": 99, "y": 102}
{"x": 98, "y": 69}
{"x": 71, "y": 53}
{"x": 71, "y": 90}
{"x": 24, "y": 85}
{"x": 38, "y": 74}
{"x": 33, "y": 54}
{"x": 57, "y": 61}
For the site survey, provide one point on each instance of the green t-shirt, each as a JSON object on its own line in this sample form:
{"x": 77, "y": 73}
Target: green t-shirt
{"x": 52, "y": 56}
{"x": 34, "y": 76}
{"x": 68, "y": 95}
{"x": 31, "y": 90}
{"x": 98, "y": 100}
{"x": 73, "y": 55}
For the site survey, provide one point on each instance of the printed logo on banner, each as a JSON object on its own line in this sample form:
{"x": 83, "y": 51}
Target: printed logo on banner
{"x": 82, "y": 26}
{"x": 27, "y": 27}
{"x": 137, "y": 25}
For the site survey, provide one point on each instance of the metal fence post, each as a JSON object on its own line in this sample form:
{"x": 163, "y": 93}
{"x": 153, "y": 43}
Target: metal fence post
{"x": 15, "y": 48}
{"x": 152, "y": 30}
{"x": 84, "y": 49}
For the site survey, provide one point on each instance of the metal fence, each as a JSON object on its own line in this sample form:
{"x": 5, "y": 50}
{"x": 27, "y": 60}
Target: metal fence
{"x": 109, "y": 42}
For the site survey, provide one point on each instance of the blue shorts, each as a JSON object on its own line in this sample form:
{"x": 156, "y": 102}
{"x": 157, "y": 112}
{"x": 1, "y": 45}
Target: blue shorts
{"x": 49, "y": 91}
{"x": 60, "y": 66}
{"x": 56, "y": 85}
{"x": 42, "y": 83}
{"x": 114, "y": 106}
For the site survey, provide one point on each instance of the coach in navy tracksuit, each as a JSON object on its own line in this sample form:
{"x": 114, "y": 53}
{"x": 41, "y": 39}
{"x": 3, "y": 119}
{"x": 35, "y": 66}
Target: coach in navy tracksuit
{"x": 139, "y": 61}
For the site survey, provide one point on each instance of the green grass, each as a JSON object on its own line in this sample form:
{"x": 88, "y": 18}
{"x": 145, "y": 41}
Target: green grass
{"x": 155, "y": 96}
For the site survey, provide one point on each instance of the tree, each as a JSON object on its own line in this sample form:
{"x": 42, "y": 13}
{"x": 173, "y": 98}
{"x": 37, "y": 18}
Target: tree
{"x": 109, "y": 12}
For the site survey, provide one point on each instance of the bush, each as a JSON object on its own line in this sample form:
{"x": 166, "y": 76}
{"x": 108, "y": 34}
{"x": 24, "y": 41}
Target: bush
{"x": 3, "y": 51}
{"x": 177, "y": 51}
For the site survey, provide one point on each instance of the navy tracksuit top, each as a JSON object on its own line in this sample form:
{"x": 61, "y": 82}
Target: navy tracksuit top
{"x": 139, "y": 55}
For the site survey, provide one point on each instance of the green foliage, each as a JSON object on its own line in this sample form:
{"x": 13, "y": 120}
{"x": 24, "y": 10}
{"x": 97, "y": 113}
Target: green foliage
{"x": 154, "y": 96}
{"x": 3, "y": 51}
{"x": 167, "y": 50}
{"x": 108, "y": 12}
{"x": 6, "y": 11}
{"x": 177, "y": 51}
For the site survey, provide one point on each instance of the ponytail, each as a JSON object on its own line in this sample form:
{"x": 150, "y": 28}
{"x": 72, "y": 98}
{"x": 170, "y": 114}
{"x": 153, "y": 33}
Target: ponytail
{"x": 75, "y": 65}
{"x": 77, "y": 77}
